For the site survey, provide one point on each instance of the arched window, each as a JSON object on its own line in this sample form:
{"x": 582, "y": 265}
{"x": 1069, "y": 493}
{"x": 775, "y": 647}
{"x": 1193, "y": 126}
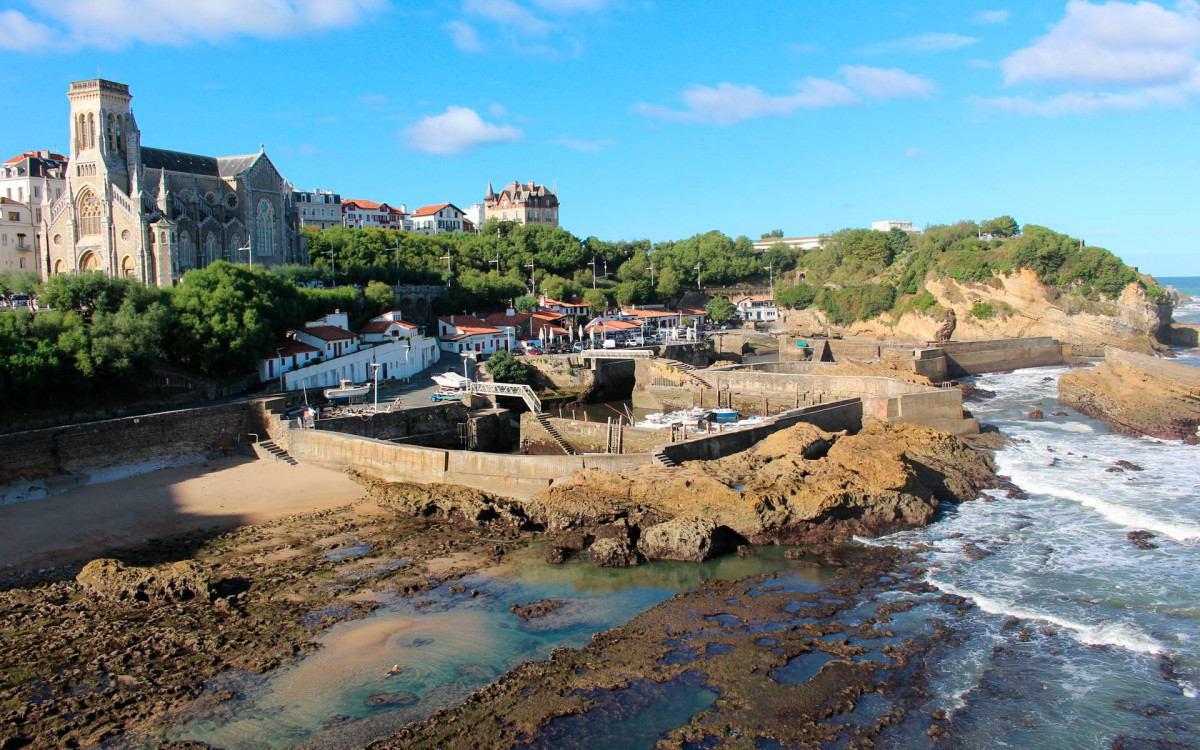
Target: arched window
{"x": 89, "y": 214}
{"x": 212, "y": 251}
{"x": 91, "y": 130}
{"x": 112, "y": 136}
{"x": 236, "y": 253}
{"x": 60, "y": 266}
{"x": 90, "y": 262}
{"x": 265, "y": 244}
{"x": 81, "y": 133}
{"x": 121, "y": 133}
{"x": 127, "y": 266}
{"x": 186, "y": 252}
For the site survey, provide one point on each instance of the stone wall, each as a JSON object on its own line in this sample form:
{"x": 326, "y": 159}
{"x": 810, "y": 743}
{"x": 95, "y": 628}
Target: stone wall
{"x": 407, "y": 423}
{"x": 589, "y": 437}
{"x": 504, "y": 474}
{"x": 965, "y": 358}
{"x": 833, "y": 417}
{"x": 125, "y": 446}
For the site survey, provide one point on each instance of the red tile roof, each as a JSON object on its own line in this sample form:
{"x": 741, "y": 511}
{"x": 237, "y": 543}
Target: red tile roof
{"x": 376, "y": 326}
{"x": 364, "y": 205}
{"x": 504, "y": 319}
{"x": 290, "y": 347}
{"x": 429, "y": 210}
{"x": 547, "y": 317}
{"x": 327, "y": 333}
{"x": 35, "y": 155}
{"x": 613, "y": 325}
{"x": 650, "y": 313}
{"x": 754, "y": 298}
{"x": 469, "y": 324}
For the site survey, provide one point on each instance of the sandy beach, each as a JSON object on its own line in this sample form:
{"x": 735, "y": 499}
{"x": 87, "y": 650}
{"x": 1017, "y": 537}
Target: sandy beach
{"x": 84, "y": 523}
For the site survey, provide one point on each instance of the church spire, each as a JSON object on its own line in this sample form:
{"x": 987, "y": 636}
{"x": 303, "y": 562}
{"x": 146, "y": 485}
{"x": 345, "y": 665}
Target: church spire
{"x": 45, "y": 192}
{"x": 491, "y": 194}
{"x": 162, "y": 194}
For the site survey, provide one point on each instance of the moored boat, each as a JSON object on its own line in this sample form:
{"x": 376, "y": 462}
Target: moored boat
{"x": 347, "y": 390}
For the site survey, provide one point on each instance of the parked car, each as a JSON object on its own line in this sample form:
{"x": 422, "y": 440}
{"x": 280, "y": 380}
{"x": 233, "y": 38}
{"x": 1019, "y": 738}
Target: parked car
{"x": 610, "y": 343}
{"x": 578, "y": 346}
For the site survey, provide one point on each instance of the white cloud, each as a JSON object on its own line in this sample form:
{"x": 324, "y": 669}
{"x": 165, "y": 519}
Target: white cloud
{"x": 889, "y": 83}
{"x": 1115, "y": 44}
{"x": 572, "y": 6}
{"x": 988, "y": 17}
{"x": 464, "y": 36}
{"x": 509, "y": 15}
{"x": 114, "y": 24}
{"x": 728, "y": 103}
{"x": 915, "y": 153}
{"x": 1122, "y": 57}
{"x": 921, "y": 44}
{"x": 497, "y": 110}
{"x": 456, "y": 130}
{"x": 589, "y": 147}
{"x": 304, "y": 149}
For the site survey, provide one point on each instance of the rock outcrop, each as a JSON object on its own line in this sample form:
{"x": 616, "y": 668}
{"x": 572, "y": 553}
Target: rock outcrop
{"x": 613, "y": 552}
{"x": 174, "y": 582}
{"x": 685, "y": 539}
{"x": 1137, "y": 395}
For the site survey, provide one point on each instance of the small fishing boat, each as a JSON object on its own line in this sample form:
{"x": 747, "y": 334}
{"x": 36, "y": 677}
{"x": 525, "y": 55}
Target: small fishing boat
{"x": 450, "y": 380}
{"x": 724, "y": 415}
{"x": 347, "y": 390}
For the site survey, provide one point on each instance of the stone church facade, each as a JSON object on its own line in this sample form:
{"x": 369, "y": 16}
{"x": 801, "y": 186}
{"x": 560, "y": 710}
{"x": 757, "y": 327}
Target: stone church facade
{"x": 150, "y": 214}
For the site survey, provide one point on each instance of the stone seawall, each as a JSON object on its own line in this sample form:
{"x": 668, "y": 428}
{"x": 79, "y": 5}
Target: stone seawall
{"x": 504, "y": 474}
{"x": 965, "y": 358}
{"x": 590, "y": 437}
{"x": 120, "y": 447}
{"x": 833, "y": 417}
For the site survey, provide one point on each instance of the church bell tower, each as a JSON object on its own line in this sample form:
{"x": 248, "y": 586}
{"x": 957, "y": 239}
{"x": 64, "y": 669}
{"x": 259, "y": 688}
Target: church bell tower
{"x": 100, "y": 123}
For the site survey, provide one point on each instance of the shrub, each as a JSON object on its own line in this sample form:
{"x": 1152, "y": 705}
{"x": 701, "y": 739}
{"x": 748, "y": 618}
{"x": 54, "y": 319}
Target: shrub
{"x": 983, "y": 311}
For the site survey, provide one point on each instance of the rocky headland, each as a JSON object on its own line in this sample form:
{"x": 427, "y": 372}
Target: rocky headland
{"x": 1137, "y": 394}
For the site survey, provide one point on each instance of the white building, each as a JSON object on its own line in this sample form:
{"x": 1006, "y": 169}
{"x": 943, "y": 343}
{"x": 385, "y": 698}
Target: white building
{"x": 474, "y": 214}
{"x": 795, "y": 243}
{"x": 324, "y": 353}
{"x": 756, "y": 307}
{"x": 573, "y": 306}
{"x": 320, "y": 209}
{"x": 887, "y": 226}
{"x": 443, "y": 217}
{"x": 524, "y": 203}
{"x": 34, "y": 178}
{"x": 359, "y": 214}
{"x": 18, "y": 236}
{"x": 387, "y": 327}
{"x": 467, "y": 333}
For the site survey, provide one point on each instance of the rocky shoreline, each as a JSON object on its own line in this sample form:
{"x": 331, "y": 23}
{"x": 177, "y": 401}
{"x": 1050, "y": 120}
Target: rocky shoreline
{"x": 1137, "y": 395}
{"x": 125, "y": 646}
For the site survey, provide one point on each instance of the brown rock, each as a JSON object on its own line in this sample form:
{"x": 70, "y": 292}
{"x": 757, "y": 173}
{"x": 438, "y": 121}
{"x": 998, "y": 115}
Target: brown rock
{"x": 555, "y": 555}
{"x": 614, "y": 552}
{"x": 174, "y": 582}
{"x": 1035, "y": 413}
{"x": 1137, "y": 395}
{"x": 683, "y": 539}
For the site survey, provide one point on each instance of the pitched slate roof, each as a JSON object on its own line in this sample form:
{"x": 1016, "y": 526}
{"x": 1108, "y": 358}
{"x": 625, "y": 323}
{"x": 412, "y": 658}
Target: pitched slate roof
{"x": 178, "y": 161}
{"x": 235, "y": 165}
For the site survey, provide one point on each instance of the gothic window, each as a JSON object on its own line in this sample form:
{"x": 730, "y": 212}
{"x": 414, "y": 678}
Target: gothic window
{"x": 121, "y": 133}
{"x": 127, "y": 266}
{"x": 237, "y": 253}
{"x": 89, "y": 214}
{"x": 60, "y": 266}
{"x": 90, "y": 262}
{"x": 91, "y": 130}
{"x": 266, "y": 228}
{"x": 81, "y": 133}
{"x": 187, "y": 253}
{"x": 211, "y": 249}
{"x": 112, "y": 137}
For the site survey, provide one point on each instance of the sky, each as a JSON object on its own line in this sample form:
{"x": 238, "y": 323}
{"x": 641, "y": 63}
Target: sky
{"x": 664, "y": 119}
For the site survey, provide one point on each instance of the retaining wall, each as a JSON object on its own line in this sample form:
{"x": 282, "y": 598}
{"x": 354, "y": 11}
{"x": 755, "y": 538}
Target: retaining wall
{"x": 129, "y": 445}
{"x": 503, "y": 474}
{"x": 975, "y": 357}
{"x": 833, "y": 417}
{"x": 590, "y": 437}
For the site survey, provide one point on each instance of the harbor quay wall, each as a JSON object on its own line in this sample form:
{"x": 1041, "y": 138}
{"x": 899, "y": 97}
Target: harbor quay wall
{"x": 510, "y": 475}
{"x": 589, "y": 437}
{"x": 836, "y": 416}
{"x": 128, "y": 445}
{"x": 404, "y": 423}
{"x": 965, "y": 358}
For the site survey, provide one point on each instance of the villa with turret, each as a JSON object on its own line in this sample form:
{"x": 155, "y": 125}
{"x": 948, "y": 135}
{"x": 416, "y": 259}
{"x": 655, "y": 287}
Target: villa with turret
{"x": 151, "y": 214}
{"x": 524, "y": 203}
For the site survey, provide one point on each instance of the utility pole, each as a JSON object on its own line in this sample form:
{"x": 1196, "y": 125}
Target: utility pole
{"x": 375, "y": 366}
{"x": 652, "y": 277}
{"x": 771, "y": 268}
{"x": 593, "y": 265}
{"x": 697, "y": 275}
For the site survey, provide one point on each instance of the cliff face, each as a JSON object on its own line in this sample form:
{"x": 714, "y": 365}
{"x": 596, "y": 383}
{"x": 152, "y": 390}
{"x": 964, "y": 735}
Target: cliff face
{"x": 1022, "y": 306}
{"x": 1137, "y": 395}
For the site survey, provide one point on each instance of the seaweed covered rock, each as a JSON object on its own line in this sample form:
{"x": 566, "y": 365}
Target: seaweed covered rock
{"x": 174, "y": 582}
{"x": 684, "y": 539}
{"x": 613, "y": 552}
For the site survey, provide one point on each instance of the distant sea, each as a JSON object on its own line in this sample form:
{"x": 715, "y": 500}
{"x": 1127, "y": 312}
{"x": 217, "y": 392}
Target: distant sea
{"x": 1189, "y": 285}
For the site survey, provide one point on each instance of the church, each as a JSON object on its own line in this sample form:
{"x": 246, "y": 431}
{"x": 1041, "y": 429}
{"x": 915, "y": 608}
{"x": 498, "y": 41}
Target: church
{"x": 150, "y": 214}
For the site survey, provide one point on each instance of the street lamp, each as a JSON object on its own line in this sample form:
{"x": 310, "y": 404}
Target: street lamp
{"x": 375, "y": 366}
{"x": 496, "y": 260}
{"x": 532, "y": 276}
{"x": 771, "y": 268}
{"x": 651, "y": 277}
{"x": 333, "y": 263}
{"x": 279, "y": 355}
{"x": 592, "y": 263}
{"x": 697, "y": 275}
{"x": 249, "y": 253}
{"x": 449, "y": 269}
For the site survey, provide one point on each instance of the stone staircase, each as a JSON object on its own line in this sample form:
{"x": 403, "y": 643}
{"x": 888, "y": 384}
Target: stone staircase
{"x": 544, "y": 420}
{"x": 691, "y": 372}
{"x": 664, "y": 460}
{"x": 274, "y": 451}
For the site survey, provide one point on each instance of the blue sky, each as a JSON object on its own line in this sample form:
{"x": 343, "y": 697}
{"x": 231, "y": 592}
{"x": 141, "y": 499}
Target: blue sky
{"x": 664, "y": 119}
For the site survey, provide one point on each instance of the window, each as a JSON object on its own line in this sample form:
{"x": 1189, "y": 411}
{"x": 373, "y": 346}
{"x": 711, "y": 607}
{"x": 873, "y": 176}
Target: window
{"x": 266, "y": 228}
{"x": 89, "y": 214}
{"x": 211, "y": 250}
{"x": 237, "y": 253}
{"x": 14, "y": 216}
{"x": 91, "y": 130}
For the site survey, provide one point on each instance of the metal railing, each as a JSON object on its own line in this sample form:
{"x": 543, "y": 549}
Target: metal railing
{"x": 508, "y": 389}
{"x": 616, "y": 354}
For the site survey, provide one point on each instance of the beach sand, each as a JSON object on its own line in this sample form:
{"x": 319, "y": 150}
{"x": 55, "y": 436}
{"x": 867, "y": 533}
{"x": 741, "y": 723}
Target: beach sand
{"x": 219, "y": 495}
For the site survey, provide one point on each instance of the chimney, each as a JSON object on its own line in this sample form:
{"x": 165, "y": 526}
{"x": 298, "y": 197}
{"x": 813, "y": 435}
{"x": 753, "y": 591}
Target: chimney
{"x": 403, "y": 208}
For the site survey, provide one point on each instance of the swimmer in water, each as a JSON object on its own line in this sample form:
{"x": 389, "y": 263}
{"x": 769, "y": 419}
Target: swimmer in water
{"x": 395, "y": 670}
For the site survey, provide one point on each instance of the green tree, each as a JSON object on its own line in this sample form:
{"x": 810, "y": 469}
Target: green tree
{"x": 91, "y": 292}
{"x": 227, "y": 317}
{"x": 596, "y": 300}
{"x": 720, "y": 310}
{"x": 798, "y": 297}
{"x": 505, "y": 368}
{"x": 379, "y": 297}
{"x": 668, "y": 283}
{"x": 632, "y": 292}
{"x": 525, "y": 304}
{"x": 772, "y": 233}
{"x": 1001, "y": 226}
